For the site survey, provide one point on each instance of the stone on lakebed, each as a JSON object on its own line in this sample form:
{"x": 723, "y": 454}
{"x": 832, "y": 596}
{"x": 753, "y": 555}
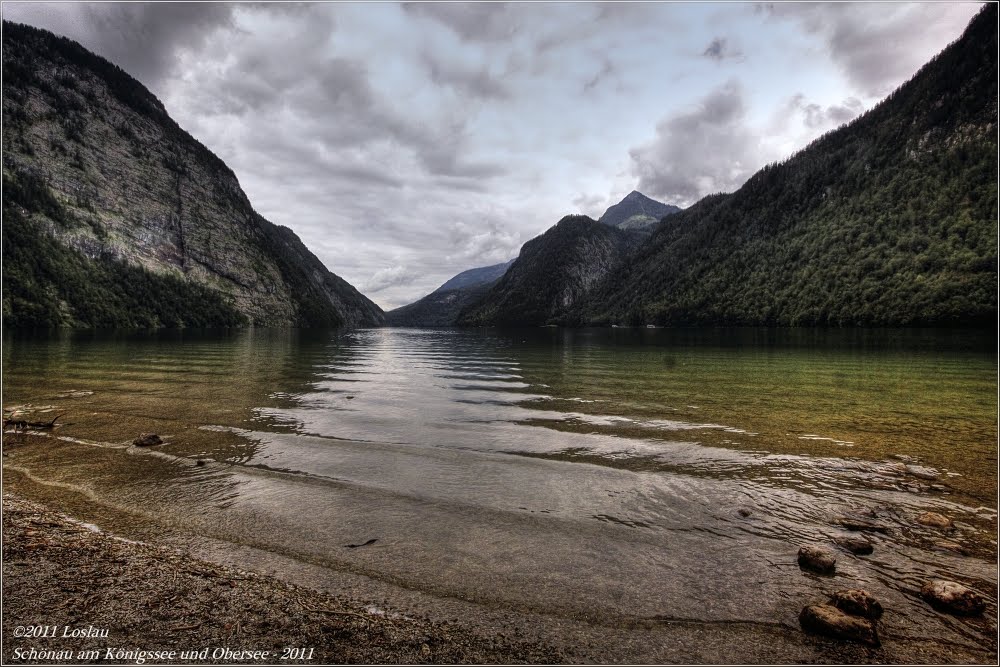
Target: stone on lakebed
{"x": 857, "y": 602}
{"x": 147, "y": 440}
{"x": 861, "y": 524}
{"x": 817, "y": 559}
{"x": 953, "y": 597}
{"x": 825, "y": 619}
{"x": 856, "y": 545}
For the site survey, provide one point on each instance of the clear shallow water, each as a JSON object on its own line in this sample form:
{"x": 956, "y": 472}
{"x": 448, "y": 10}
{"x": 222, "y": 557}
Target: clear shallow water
{"x": 588, "y": 473}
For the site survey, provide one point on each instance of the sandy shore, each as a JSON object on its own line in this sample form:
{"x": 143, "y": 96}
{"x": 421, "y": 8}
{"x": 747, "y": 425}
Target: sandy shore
{"x": 66, "y": 575}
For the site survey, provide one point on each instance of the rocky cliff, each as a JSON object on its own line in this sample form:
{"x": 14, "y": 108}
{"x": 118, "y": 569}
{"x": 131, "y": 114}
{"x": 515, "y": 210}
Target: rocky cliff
{"x": 110, "y": 208}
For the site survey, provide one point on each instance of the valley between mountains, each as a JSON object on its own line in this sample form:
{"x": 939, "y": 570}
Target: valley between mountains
{"x": 114, "y": 216}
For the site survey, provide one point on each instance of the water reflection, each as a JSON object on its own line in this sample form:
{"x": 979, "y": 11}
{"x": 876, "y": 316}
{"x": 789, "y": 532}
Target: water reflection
{"x": 636, "y": 472}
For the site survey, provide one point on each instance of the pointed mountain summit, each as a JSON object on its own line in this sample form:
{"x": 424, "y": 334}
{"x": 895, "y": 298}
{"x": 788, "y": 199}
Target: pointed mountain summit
{"x": 636, "y": 211}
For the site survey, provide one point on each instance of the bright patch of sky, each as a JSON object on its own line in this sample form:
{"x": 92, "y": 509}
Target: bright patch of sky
{"x": 408, "y": 142}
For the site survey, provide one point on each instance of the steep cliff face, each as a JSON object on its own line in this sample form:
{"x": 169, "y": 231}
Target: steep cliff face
{"x": 93, "y": 162}
{"x": 553, "y": 273}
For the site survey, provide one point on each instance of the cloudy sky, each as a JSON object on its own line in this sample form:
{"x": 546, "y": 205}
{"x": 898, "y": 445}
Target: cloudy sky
{"x": 407, "y": 142}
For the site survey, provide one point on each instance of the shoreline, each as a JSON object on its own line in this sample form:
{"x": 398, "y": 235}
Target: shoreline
{"x": 121, "y": 597}
{"x": 150, "y": 596}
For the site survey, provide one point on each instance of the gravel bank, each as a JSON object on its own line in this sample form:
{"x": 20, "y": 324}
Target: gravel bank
{"x": 62, "y": 573}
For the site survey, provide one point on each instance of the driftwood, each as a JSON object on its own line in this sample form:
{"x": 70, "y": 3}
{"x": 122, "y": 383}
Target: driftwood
{"x": 23, "y": 423}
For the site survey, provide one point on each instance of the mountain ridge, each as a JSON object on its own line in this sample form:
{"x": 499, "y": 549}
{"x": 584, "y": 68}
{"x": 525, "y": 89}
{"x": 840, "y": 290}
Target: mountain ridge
{"x": 889, "y": 220}
{"x": 93, "y": 163}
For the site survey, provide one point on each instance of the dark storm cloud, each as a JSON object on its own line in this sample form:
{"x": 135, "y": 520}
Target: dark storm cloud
{"x": 332, "y": 101}
{"x": 142, "y": 38}
{"x": 709, "y": 149}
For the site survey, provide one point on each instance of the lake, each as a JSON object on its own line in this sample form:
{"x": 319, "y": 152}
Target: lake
{"x": 614, "y": 474}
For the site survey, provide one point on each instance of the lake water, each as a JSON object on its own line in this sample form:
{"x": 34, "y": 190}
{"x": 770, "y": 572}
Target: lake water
{"x": 572, "y": 473}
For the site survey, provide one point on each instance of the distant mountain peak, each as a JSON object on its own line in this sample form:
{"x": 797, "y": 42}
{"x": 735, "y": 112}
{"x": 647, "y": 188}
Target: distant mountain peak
{"x": 635, "y": 211}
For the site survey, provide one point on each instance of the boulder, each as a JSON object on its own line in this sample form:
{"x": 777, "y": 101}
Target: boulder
{"x": 817, "y": 559}
{"x": 147, "y": 440}
{"x": 935, "y": 520}
{"x": 856, "y": 545}
{"x": 825, "y": 619}
{"x": 953, "y": 597}
{"x": 857, "y": 602}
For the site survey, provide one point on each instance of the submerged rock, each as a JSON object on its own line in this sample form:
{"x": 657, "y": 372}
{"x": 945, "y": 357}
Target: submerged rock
{"x": 935, "y": 520}
{"x": 817, "y": 559}
{"x": 953, "y": 597}
{"x": 861, "y": 524}
{"x": 856, "y": 545}
{"x": 825, "y": 619}
{"x": 857, "y": 602}
{"x": 147, "y": 440}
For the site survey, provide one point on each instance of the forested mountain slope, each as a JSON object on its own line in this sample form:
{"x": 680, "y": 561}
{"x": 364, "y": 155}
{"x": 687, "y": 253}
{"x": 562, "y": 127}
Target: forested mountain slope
{"x": 553, "y": 273}
{"x": 116, "y": 217}
{"x": 889, "y": 220}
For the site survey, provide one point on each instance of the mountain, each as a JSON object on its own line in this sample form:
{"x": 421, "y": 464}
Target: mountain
{"x": 114, "y": 216}
{"x": 553, "y": 273}
{"x": 890, "y": 220}
{"x": 636, "y": 211}
{"x": 473, "y": 277}
{"x": 442, "y": 307}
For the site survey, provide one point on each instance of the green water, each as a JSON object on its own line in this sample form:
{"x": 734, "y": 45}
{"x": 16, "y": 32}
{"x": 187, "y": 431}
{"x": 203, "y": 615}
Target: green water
{"x": 626, "y": 473}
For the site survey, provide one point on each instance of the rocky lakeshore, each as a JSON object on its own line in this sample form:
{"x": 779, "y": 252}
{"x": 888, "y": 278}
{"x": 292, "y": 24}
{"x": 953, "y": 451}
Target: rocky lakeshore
{"x": 116, "y": 597}
{"x": 132, "y": 602}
